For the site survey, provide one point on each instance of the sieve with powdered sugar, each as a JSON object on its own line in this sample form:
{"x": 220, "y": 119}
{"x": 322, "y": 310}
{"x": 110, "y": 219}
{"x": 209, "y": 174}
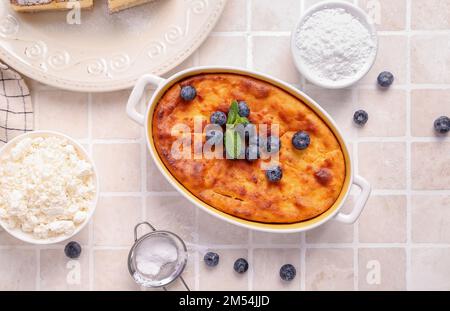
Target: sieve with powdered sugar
{"x": 157, "y": 258}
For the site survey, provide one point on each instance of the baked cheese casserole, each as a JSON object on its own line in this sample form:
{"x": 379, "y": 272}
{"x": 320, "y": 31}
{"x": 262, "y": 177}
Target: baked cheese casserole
{"x": 311, "y": 169}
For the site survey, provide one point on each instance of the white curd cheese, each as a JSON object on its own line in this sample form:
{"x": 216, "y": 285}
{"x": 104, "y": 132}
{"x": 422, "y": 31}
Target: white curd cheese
{"x": 46, "y": 187}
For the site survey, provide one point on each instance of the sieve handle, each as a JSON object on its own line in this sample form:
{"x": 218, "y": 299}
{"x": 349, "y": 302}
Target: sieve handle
{"x": 137, "y": 227}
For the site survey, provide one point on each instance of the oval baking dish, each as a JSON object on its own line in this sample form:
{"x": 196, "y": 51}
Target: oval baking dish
{"x": 162, "y": 86}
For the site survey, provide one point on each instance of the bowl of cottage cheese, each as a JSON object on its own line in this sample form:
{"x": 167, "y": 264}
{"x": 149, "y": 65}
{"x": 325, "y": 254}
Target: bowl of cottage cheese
{"x": 48, "y": 187}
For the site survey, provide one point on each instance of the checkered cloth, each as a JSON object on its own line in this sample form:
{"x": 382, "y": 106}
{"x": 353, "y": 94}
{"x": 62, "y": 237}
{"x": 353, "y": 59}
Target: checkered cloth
{"x": 16, "y": 109}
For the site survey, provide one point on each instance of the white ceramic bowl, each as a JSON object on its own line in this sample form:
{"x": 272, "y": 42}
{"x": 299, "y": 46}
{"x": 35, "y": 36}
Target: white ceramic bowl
{"x": 362, "y": 17}
{"x": 146, "y": 120}
{"x": 26, "y": 237}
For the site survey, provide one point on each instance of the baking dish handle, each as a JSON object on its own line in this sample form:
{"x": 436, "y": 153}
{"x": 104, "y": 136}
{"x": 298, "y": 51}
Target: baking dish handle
{"x": 137, "y": 93}
{"x": 360, "y": 202}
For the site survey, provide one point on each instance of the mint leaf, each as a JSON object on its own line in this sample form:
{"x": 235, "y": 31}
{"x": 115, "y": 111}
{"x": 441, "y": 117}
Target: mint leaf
{"x": 241, "y": 120}
{"x": 233, "y": 143}
{"x": 233, "y": 113}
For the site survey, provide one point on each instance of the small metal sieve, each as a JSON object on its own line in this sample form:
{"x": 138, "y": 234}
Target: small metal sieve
{"x": 170, "y": 271}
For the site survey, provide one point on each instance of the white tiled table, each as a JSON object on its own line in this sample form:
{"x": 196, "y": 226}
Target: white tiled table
{"x": 404, "y": 230}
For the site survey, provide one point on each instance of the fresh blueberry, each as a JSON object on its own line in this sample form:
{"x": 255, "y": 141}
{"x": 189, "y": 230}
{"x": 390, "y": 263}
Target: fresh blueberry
{"x": 273, "y": 144}
{"x": 442, "y": 125}
{"x": 240, "y": 265}
{"x": 301, "y": 140}
{"x": 274, "y": 174}
{"x": 188, "y": 93}
{"x": 214, "y": 137}
{"x": 72, "y": 250}
{"x": 360, "y": 117}
{"x": 219, "y": 118}
{"x": 244, "y": 111}
{"x": 287, "y": 272}
{"x": 385, "y": 79}
{"x": 211, "y": 259}
{"x": 252, "y": 153}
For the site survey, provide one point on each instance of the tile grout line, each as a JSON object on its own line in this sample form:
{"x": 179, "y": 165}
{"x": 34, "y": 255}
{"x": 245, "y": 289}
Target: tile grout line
{"x": 38, "y": 269}
{"x": 303, "y": 261}
{"x": 248, "y": 35}
{"x": 374, "y": 245}
{"x": 91, "y": 223}
{"x": 355, "y": 150}
{"x": 402, "y": 139}
{"x": 144, "y": 186}
{"x": 251, "y": 272}
{"x": 250, "y": 250}
{"x": 196, "y": 220}
{"x": 38, "y": 251}
{"x": 370, "y": 86}
{"x": 408, "y": 146}
{"x": 143, "y": 164}
{"x": 196, "y": 253}
{"x": 303, "y": 234}
{"x": 269, "y": 33}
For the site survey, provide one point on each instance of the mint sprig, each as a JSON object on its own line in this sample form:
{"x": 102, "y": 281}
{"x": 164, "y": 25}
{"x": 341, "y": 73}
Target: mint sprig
{"x": 233, "y": 113}
{"x": 233, "y": 117}
{"x": 233, "y": 141}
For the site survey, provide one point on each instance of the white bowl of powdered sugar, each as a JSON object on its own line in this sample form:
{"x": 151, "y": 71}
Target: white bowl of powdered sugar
{"x": 334, "y": 44}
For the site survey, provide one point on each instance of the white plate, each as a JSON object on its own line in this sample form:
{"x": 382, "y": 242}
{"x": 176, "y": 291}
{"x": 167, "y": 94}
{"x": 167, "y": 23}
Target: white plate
{"x": 105, "y": 52}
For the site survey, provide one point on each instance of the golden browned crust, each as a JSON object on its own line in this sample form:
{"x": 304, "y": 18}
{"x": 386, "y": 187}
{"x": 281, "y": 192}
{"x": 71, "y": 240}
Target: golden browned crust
{"x": 312, "y": 178}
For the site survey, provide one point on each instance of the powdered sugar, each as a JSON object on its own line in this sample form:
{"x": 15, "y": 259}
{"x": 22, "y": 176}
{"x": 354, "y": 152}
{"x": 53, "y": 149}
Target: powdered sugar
{"x": 153, "y": 254}
{"x": 334, "y": 45}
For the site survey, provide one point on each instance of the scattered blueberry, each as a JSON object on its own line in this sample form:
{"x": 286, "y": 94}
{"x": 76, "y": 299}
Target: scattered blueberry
{"x": 214, "y": 137}
{"x": 72, "y": 250}
{"x": 240, "y": 265}
{"x": 287, "y": 272}
{"x": 219, "y": 118}
{"x": 244, "y": 111}
{"x": 301, "y": 140}
{"x": 188, "y": 93}
{"x": 442, "y": 125}
{"x": 274, "y": 174}
{"x": 360, "y": 117}
{"x": 211, "y": 259}
{"x": 273, "y": 144}
{"x": 252, "y": 153}
{"x": 385, "y": 79}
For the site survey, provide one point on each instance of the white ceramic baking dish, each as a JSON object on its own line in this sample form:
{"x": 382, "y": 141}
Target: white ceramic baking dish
{"x": 146, "y": 120}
